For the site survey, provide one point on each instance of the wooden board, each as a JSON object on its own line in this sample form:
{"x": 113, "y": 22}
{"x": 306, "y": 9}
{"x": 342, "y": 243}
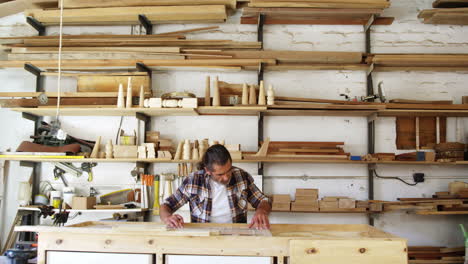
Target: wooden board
{"x": 105, "y": 83}
{"x": 406, "y": 132}
{"x": 449, "y": 3}
{"x": 129, "y": 15}
{"x": 131, "y": 3}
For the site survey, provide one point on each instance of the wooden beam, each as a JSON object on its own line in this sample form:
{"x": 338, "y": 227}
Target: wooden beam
{"x": 129, "y": 15}
{"x": 131, "y": 3}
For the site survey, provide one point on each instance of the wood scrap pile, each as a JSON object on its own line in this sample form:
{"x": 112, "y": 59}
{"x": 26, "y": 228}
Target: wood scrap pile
{"x": 326, "y": 12}
{"x": 450, "y": 151}
{"x": 435, "y": 255}
{"x": 405, "y": 62}
{"x": 448, "y": 12}
{"x": 291, "y": 150}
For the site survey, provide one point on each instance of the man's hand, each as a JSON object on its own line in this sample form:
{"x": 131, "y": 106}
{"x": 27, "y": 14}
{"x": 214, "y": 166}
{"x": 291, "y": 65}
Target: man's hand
{"x": 174, "y": 221}
{"x": 260, "y": 220}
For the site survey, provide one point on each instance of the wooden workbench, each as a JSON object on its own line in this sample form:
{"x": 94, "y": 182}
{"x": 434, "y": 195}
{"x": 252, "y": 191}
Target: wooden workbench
{"x": 318, "y": 244}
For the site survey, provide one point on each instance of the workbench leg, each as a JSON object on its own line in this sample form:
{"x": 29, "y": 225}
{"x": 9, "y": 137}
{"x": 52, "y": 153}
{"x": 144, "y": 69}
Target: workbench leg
{"x": 41, "y": 254}
{"x": 280, "y": 259}
{"x": 159, "y": 258}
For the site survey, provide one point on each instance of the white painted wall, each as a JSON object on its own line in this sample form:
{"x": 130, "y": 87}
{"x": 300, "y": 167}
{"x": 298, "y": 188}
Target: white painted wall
{"x": 406, "y": 35}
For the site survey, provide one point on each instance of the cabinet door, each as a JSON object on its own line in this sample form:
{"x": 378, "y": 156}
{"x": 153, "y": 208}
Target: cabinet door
{"x": 69, "y": 257}
{"x": 192, "y": 259}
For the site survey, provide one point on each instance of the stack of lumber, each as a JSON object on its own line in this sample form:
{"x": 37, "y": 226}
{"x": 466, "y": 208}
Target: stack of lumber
{"x": 448, "y": 12}
{"x": 324, "y": 12}
{"x": 306, "y": 200}
{"x": 339, "y": 204}
{"x": 423, "y": 62}
{"x": 17, "y": 6}
{"x": 312, "y": 104}
{"x": 292, "y": 150}
{"x": 429, "y": 206}
{"x": 435, "y": 255}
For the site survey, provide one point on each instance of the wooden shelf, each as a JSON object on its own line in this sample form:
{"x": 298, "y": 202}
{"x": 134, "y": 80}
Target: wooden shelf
{"x": 327, "y": 212}
{"x": 136, "y": 210}
{"x": 442, "y": 212}
{"x": 108, "y": 111}
{"x": 269, "y": 160}
{"x": 421, "y": 112}
{"x": 233, "y": 110}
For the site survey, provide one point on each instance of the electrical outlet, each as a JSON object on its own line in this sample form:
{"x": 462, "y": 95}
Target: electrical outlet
{"x": 418, "y": 177}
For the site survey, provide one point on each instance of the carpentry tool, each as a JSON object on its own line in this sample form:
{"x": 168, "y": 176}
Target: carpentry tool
{"x": 465, "y": 234}
{"x": 46, "y": 210}
{"x": 156, "y": 204}
{"x": 61, "y": 217}
{"x": 88, "y": 166}
{"x": 20, "y": 255}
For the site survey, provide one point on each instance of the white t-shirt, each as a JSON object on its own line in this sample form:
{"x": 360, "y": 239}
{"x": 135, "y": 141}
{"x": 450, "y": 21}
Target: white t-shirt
{"x": 220, "y": 210}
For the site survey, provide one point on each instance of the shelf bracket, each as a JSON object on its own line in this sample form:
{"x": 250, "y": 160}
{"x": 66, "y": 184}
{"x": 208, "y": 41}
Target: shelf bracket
{"x": 369, "y": 23}
{"x": 146, "y": 23}
{"x": 260, "y": 72}
{"x": 373, "y": 117}
{"x": 37, "y": 72}
{"x": 41, "y": 29}
{"x": 371, "y": 69}
{"x": 141, "y": 67}
{"x": 260, "y": 23}
{"x": 28, "y": 164}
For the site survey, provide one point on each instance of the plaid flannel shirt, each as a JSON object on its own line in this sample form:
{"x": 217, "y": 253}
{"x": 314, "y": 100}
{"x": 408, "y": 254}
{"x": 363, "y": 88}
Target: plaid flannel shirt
{"x": 196, "y": 190}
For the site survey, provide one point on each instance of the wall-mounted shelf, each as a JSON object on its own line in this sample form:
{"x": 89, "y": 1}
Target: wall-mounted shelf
{"x": 233, "y": 110}
{"x": 134, "y": 210}
{"x": 441, "y": 212}
{"x": 264, "y": 160}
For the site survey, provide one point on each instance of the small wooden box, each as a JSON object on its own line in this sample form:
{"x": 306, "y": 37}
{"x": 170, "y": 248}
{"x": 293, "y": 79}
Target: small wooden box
{"x": 347, "y": 203}
{"x": 362, "y": 204}
{"x": 281, "y": 198}
{"x": 328, "y": 204}
{"x": 286, "y": 207}
{"x": 83, "y": 203}
{"x": 333, "y": 198}
{"x": 121, "y": 151}
{"x": 302, "y": 198}
{"x": 305, "y": 206}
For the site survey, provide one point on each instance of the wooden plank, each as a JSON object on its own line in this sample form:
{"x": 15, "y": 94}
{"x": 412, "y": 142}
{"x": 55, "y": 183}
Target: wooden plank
{"x": 408, "y": 101}
{"x": 104, "y": 83}
{"x": 86, "y": 64}
{"x": 67, "y": 101}
{"x": 327, "y": 4}
{"x": 131, "y": 3}
{"x": 129, "y": 15}
{"x": 332, "y": 20}
{"x": 450, "y": 3}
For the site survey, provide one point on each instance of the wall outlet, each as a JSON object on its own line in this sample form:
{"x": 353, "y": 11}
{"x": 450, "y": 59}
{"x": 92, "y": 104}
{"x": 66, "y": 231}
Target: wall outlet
{"x": 418, "y": 177}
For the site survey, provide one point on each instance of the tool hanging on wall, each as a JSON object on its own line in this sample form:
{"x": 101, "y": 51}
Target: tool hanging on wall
{"x": 62, "y": 167}
{"x": 88, "y": 166}
{"x": 156, "y": 204}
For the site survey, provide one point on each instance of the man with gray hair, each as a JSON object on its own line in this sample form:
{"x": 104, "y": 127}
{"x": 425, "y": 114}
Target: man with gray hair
{"x": 217, "y": 193}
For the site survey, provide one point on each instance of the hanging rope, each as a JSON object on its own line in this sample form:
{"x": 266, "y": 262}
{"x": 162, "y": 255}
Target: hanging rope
{"x": 59, "y": 79}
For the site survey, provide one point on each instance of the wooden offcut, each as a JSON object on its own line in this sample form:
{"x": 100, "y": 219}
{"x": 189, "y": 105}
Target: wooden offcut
{"x": 106, "y": 83}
